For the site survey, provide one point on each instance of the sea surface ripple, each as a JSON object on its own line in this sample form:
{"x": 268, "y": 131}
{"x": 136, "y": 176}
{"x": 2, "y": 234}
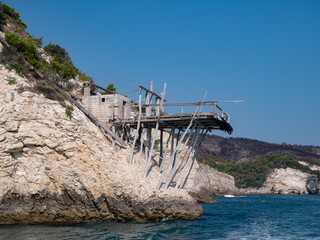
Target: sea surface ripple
{"x": 248, "y": 217}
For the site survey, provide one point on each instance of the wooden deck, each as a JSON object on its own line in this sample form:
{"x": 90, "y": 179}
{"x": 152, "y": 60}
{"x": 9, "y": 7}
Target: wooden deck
{"x": 206, "y": 120}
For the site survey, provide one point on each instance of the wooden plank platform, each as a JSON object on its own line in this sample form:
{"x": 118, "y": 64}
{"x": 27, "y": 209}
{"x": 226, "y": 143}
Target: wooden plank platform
{"x": 205, "y": 119}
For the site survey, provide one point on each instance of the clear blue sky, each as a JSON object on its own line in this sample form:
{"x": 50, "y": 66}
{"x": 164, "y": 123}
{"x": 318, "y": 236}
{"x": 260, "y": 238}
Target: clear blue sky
{"x": 264, "y": 52}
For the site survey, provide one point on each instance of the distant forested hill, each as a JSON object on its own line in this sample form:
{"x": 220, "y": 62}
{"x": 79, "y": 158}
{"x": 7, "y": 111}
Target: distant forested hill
{"x": 243, "y": 149}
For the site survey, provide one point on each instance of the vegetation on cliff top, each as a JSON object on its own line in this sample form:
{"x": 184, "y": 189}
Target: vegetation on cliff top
{"x": 7, "y": 12}
{"x": 254, "y": 173}
{"x": 60, "y": 65}
{"x": 53, "y": 60}
{"x": 244, "y": 149}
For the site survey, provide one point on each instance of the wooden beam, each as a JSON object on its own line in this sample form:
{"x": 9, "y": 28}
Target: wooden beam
{"x": 193, "y": 104}
{"x": 104, "y": 89}
{"x": 88, "y": 114}
{"x": 150, "y": 91}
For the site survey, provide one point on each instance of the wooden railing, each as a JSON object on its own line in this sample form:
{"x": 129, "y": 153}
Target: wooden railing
{"x": 217, "y": 111}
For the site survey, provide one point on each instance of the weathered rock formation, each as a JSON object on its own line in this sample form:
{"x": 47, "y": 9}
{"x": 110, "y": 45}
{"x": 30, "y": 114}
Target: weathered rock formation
{"x": 56, "y": 169}
{"x": 287, "y": 181}
{"x": 208, "y": 182}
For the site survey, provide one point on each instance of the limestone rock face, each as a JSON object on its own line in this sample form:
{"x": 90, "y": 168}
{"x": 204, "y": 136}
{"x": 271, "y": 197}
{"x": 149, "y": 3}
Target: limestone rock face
{"x": 287, "y": 181}
{"x": 208, "y": 182}
{"x": 56, "y": 169}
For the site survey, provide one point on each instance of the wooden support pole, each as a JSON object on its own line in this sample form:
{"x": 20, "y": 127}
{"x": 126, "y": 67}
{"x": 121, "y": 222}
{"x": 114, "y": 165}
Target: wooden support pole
{"x": 188, "y": 158}
{"x": 161, "y": 147}
{"x": 172, "y": 155}
{"x": 177, "y": 141}
{"x": 162, "y": 169}
{"x": 155, "y": 135}
{"x": 122, "y": 131}
{"x": 149, "y": 100}
{"x": 158, "y": 107}
{"x": 185, "y": 158}
{"x": 188, "y": 153}
{"x": 146, "y": 148}
{"x": 178, "y": 145}
{"x": 193, "y": 159}
{"x": 172, "y": 141}
{"x": 166, "y": 149}
{"x": 148, "y": 114}
{"x": 202, "y": 101}
{"x": 141, "y": 144}
{"x": 137, "y": 131}
{"x": 175, "y": 168}
{"x": 151, "y": 150}
{"x": 149, "y": 135}
{"x": 113, "y": 140}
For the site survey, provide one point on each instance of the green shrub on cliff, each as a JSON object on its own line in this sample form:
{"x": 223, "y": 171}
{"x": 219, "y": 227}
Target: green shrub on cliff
{"x": 60, "y": 68}
{"x": 58, "y": 53}
{"x": 18, "y": 67}
{"x": 12, "y": 81}
{"x": 28, "y": 49}
{"x": 69, "y": 111}
{"x": 9, "y": 12}
{"x": 62, "y": 63}
{"x": 254, "y": 173}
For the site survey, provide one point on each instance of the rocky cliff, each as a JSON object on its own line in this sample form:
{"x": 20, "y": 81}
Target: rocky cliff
{"x": 56, "y": 169}
{"x": 287, "y": 181}
{"x": 209, "y": 182}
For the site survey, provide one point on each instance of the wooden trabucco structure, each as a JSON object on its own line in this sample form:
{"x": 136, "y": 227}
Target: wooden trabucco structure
{"x": 180, "y": 135}
{"x": 185, "y": 131}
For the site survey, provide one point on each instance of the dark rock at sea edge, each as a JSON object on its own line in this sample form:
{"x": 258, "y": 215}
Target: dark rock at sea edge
{"x": 71, "y": 207}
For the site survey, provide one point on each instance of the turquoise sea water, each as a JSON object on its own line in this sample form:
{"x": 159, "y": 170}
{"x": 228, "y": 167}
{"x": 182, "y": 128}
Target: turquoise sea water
{"x": 249, "y": 217}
